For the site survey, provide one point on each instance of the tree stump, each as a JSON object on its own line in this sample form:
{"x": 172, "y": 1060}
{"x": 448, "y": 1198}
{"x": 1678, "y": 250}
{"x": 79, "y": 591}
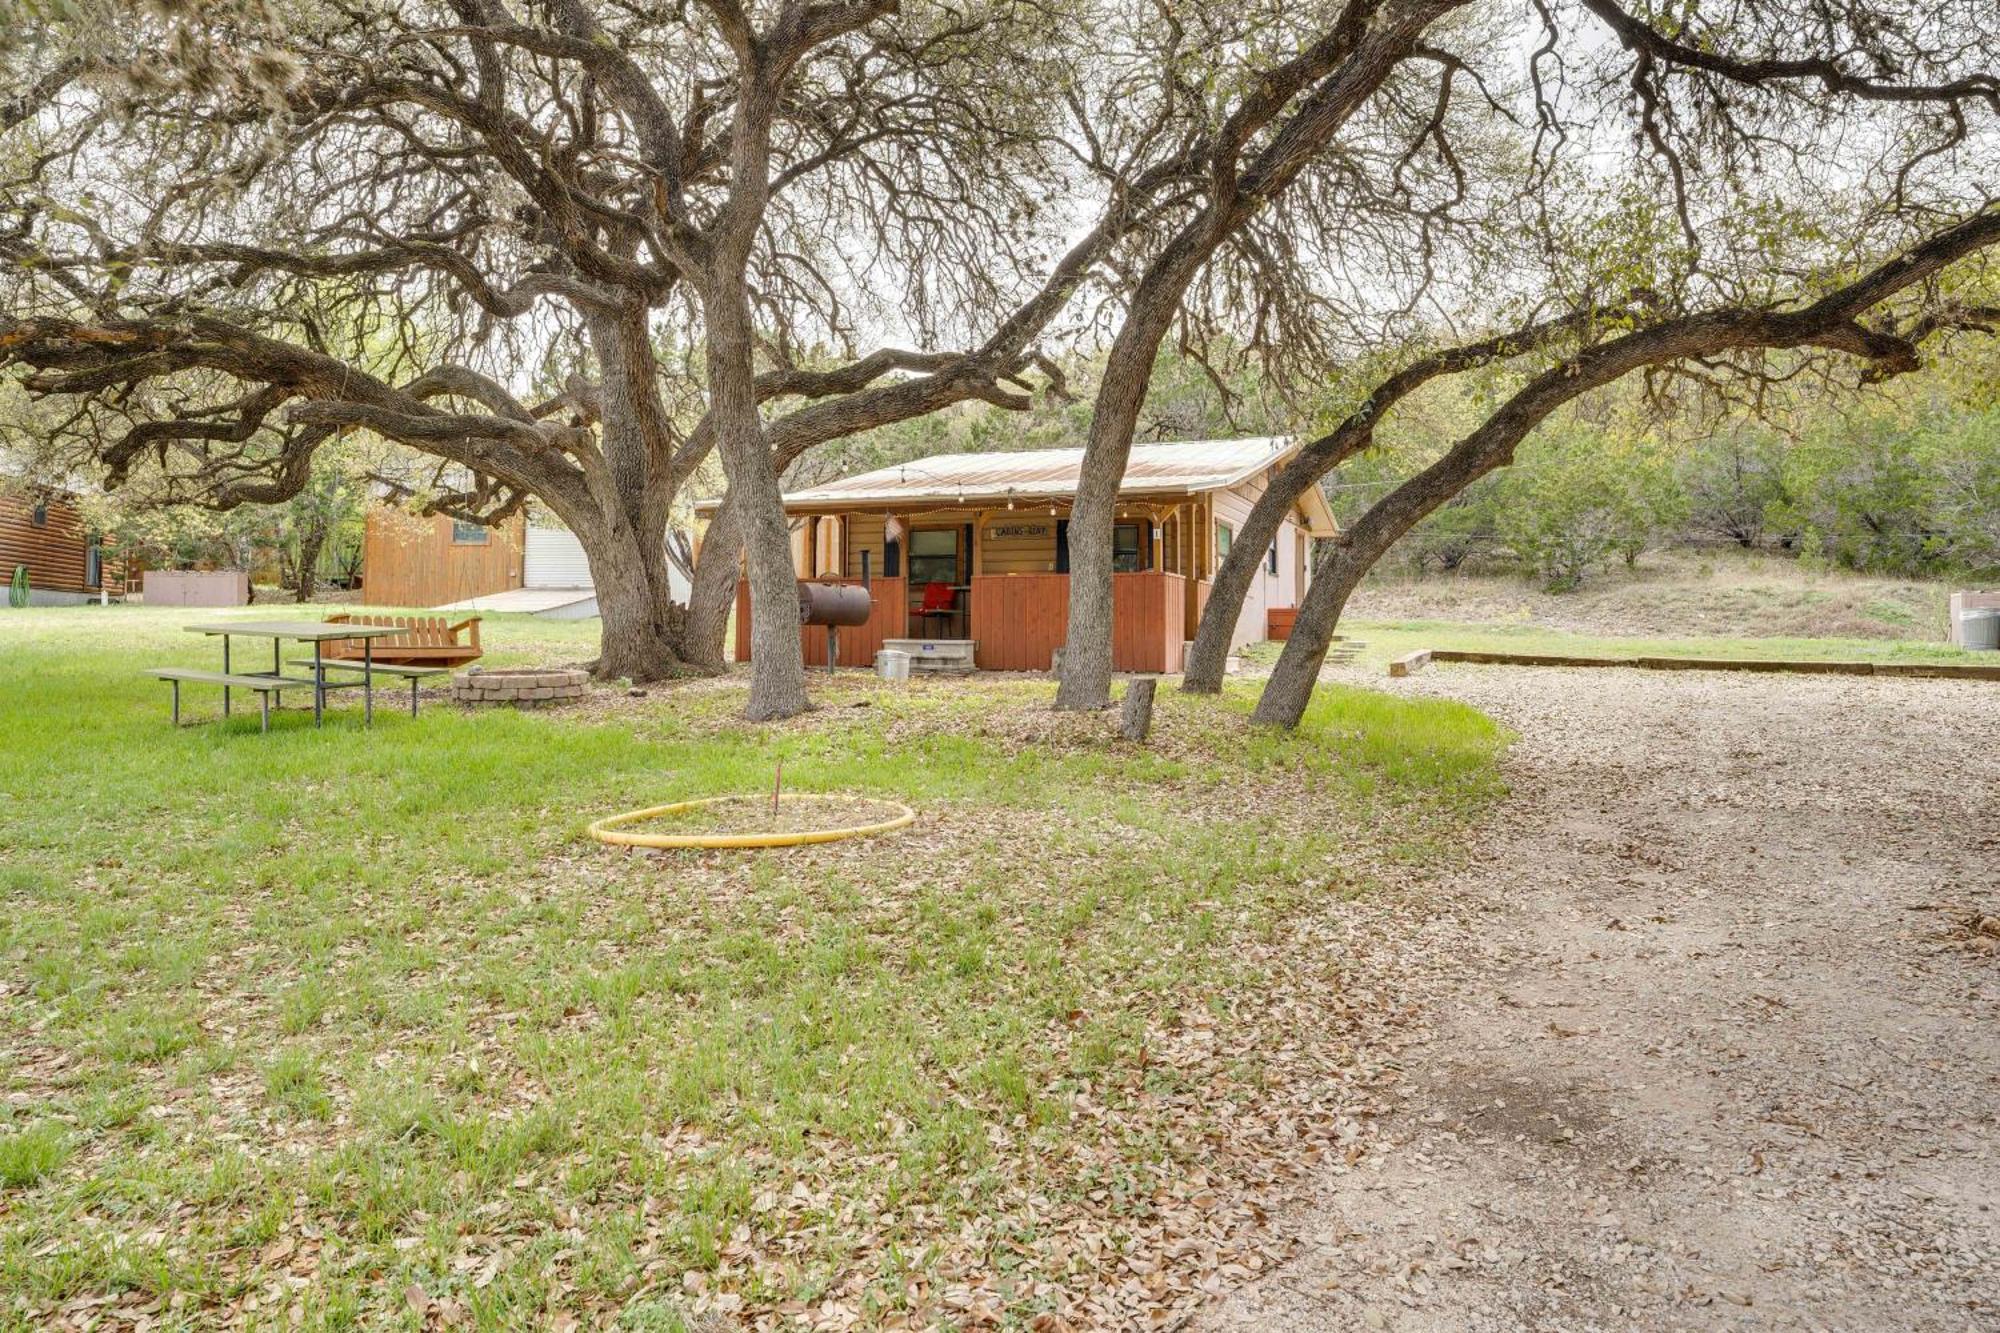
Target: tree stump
{"x": 1135, "y": 716}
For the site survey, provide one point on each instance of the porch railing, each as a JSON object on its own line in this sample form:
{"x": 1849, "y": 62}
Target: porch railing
{"x": 1019, "y": 620}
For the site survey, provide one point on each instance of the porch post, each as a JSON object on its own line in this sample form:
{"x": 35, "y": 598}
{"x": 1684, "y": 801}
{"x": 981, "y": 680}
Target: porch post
{"x": 902, "y": 564}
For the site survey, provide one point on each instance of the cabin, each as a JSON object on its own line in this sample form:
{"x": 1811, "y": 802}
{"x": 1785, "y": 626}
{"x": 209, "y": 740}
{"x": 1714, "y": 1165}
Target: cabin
{"x": 46, "y": 533}
{"x": 433, "y": 559}
{"x": 528, "y": 564}
{"x": 967, "y": 555}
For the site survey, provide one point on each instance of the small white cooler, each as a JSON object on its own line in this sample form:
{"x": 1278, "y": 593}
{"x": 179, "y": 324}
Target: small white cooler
{"x": 892, "y": 664}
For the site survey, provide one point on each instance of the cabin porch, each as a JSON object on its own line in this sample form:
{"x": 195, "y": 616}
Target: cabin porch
{"x": 997, "y": 578}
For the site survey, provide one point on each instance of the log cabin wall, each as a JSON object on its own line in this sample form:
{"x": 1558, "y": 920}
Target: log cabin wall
{"x": 50, "y": 536}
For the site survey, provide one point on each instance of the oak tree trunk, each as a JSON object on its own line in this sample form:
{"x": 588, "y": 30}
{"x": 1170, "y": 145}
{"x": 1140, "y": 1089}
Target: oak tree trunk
{"x": 1359, "y": 54}
{"x": 620, "y": 518}
{"x": 713, "y": 590}
{"x": 1086, "y": 662}
{"x": 639, "y": 623}
{"x": 1350, "y": 556}
{"x": 777, "y": 663}
{"x": 311, "y": 541}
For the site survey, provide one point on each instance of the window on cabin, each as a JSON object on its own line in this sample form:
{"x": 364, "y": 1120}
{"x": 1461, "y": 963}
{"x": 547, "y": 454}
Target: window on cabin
{"x": 1271, "y": 558}
{"x": 468, "y": 534}
{"x": 933, "y": 556}
{"x": 41, "y": 514}
{"x": 93, "y": 562}
{"x": 1125, "y": 550}
{"x": 1222, "y": 536}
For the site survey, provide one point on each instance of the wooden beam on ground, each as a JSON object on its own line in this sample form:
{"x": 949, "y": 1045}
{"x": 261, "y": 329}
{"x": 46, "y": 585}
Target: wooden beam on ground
{"x": 1409, "y": 664}
{"x": 1922, "y": 670}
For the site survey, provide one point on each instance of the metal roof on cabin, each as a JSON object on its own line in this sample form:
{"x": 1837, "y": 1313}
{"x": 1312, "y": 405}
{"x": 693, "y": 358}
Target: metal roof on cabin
{"x": 1181, "y": 466}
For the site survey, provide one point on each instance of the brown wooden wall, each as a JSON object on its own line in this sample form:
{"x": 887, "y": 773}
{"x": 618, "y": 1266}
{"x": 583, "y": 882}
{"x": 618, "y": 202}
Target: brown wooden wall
{"x": 411, "y": 561}
{"x": 858, "y": 643}
{"x": 1147, "y": 611}
{"x": 1019, "y": 620}
{"x": 54, "y": 552}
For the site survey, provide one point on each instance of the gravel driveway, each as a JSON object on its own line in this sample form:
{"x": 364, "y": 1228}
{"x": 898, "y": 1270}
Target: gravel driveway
{"x": 1720, "y": 1046}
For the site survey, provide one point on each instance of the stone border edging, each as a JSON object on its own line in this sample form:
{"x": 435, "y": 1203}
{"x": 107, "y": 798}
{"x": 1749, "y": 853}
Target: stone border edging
{"x": 531, "y": 687}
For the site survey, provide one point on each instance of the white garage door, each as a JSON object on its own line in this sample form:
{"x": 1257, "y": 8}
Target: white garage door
{"x": 554, "y": 559}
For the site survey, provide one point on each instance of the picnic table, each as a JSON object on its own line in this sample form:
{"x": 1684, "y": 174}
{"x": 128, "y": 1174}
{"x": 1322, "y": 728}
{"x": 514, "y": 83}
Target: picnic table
{"x": 316, "y": 632}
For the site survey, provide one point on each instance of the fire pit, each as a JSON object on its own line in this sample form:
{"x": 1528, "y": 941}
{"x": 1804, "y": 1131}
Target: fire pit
{"x": 520, "y": 687}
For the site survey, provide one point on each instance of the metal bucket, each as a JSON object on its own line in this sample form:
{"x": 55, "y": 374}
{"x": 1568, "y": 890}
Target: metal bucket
{"x": 1979, "y": 631}
{"x": 892, "y": 664}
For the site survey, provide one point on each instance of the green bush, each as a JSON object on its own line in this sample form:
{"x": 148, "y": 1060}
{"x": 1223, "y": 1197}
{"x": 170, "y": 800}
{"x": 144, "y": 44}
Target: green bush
{"x": 1580, "y": 495}
{"x": 1893, "y": 489}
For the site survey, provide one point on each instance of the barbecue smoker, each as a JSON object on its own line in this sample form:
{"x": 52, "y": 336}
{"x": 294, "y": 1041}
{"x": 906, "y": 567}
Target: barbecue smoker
{"x": 834, "y": 605}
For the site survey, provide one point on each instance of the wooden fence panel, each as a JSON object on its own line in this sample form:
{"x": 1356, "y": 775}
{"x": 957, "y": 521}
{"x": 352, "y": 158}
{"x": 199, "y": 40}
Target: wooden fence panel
{"x": 742, "y": 620}
{"x": 1019, "y": 619}
{"x": 1147, "y": 612}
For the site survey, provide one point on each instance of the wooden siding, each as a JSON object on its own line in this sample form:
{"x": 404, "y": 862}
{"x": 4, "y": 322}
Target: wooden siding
{"x": 858, "y": 643}
{"x": 407, "y": 560}
{"x": 1146, "y": 619}
{"x": 864, "y": 533}
{"x": 1012, "y": 542}
{"x": 1019, "y": 620}
{"x": 55, "y": 551}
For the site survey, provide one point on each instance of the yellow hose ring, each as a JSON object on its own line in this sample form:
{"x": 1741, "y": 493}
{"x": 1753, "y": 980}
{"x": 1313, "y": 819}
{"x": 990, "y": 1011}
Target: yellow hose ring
{"x": 604, "y": 830}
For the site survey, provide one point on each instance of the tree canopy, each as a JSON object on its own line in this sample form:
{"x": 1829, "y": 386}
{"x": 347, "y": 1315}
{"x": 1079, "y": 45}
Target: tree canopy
{"x": 571, "y": 249}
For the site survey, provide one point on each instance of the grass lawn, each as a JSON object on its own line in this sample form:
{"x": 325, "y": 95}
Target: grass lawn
{"x": 344, "y": 1028}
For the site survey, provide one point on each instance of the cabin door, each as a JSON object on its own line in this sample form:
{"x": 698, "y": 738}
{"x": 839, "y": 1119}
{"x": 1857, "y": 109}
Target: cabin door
{"x": 940, "y": 582}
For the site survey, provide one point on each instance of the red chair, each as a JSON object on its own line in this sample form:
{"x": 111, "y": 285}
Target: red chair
{"x": 939, "y": 600}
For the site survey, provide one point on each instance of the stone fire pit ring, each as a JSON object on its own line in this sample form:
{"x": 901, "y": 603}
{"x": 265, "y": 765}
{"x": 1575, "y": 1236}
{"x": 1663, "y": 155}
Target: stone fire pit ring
{"x": 520, "y": 687}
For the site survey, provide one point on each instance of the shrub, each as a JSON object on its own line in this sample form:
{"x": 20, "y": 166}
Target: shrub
{"x": 1580, "y": 495}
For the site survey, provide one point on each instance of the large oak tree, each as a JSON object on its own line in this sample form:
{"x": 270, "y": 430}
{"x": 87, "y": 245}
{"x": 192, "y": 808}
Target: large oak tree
{"x": 1735, "y": 222}
{"x": 568, "y": 247}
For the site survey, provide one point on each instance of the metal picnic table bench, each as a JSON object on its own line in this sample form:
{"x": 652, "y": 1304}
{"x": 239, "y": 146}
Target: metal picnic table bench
{"x": 272, "y": 684}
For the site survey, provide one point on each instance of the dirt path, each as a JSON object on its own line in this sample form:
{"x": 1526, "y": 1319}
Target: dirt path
{"x": 1717, "y": 1057}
